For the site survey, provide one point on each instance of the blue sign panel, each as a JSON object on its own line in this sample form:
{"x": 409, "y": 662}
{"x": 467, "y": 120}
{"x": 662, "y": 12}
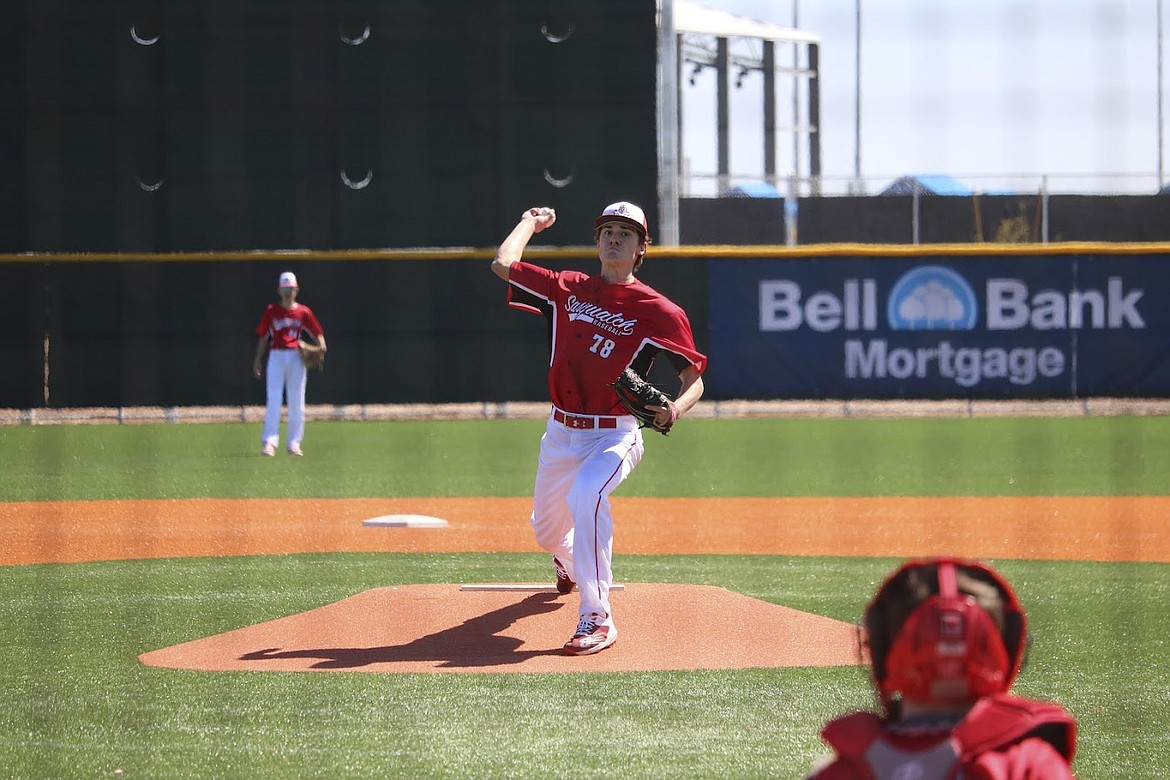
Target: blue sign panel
{"x": 1052, "y": 326}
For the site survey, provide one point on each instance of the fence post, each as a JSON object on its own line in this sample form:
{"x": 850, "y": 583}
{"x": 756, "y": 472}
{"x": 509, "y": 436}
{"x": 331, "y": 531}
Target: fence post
{"x": 1044, "y": 209}
{"x": 914, "y": 213}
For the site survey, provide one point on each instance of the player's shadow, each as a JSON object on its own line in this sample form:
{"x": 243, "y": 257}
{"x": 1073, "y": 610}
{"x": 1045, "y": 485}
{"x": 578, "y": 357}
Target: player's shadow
{"x": 475, "y": 642}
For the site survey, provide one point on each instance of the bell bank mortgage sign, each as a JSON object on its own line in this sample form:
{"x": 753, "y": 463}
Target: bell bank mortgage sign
{"x": 958, "y": 327}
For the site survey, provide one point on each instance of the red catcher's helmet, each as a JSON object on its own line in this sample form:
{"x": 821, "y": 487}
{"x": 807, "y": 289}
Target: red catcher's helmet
{"x": 930, "y": 641}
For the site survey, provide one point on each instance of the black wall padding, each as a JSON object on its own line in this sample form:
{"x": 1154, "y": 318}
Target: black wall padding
{"x": 182, "y": 333}
{"x": 170, "y": 125}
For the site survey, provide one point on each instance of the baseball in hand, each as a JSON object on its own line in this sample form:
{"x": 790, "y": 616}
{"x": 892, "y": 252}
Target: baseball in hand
{"x": 544, "y": 217}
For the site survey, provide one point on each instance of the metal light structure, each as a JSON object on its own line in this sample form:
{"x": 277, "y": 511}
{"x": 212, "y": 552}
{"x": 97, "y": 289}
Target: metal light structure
{"x": 669, "y": 125}
{"x": 692, "y": 38}
{"x": 858, "y": 185}
{"x": 1160, "y": 98}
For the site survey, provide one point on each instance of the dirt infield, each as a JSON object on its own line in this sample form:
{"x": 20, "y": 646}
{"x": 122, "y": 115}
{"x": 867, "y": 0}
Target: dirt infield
{"x": 1130, "y": 528}
{"x": 439, "y": 628}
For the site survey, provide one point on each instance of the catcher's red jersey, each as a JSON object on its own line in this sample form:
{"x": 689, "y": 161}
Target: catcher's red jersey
{"x": 284, "y": 326}
{"x": 597, "y": 330}
{"x": 1003, "y": 737}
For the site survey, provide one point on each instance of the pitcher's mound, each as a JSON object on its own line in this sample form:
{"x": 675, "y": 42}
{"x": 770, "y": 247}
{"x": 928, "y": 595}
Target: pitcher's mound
{"x": 440, "y": 628}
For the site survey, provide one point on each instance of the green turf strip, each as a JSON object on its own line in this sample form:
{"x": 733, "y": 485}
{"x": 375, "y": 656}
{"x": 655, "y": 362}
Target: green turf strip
{"x": 798, "y": 457}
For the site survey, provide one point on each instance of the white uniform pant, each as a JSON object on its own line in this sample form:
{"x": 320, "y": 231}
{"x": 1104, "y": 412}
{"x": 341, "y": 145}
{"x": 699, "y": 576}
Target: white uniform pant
{"x": 286, "y": 377}
{"x": 577, "y": 471}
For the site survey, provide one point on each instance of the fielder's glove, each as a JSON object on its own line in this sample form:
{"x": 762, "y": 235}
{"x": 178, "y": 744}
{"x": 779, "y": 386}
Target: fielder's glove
{"x": 637, "y": 395}
{"x": 312, "y": 356}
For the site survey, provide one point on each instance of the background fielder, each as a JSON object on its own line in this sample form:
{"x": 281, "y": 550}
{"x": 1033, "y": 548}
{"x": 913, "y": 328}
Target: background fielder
{"x": 279, "y": 332}
{"x": 599, "y": 325}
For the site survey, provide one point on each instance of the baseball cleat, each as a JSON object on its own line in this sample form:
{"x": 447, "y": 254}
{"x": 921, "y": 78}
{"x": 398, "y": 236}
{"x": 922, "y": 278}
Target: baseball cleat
{"x": 595, "y": 632}
{"x": 268, "y": 450}
{"x": 564, "y": 581}
{"x": 295, "y": 449}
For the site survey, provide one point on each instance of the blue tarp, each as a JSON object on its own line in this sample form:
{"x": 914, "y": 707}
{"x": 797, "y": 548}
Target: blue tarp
{"x": 754, "y": 189}
{"x": 927, "y": 185}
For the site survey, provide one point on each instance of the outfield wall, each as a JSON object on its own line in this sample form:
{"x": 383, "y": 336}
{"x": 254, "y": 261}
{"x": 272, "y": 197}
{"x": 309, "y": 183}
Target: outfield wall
{"x": 844, "y": 322}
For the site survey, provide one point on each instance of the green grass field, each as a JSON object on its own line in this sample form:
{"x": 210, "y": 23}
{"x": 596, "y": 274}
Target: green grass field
{"x": 78, "y": 703}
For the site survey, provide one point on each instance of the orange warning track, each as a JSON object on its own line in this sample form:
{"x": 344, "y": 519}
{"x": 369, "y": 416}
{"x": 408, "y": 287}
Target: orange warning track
{"x": 1052, "y": 528}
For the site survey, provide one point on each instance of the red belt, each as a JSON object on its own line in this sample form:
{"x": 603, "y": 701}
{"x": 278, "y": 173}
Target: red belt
{"x": 583, "y": 423}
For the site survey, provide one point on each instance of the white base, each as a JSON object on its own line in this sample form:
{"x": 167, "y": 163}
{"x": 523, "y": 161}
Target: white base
{"x": 405, "y": 521}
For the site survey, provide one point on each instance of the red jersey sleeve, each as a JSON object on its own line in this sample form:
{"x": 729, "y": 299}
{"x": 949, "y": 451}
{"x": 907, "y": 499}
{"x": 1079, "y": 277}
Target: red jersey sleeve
{"x": 530, "y": 287}
{"x": 1032, "y": 759}
{"x": 265, "y": 324}
{"x": 309, "y": 321}
{"x": 678, "y": 340}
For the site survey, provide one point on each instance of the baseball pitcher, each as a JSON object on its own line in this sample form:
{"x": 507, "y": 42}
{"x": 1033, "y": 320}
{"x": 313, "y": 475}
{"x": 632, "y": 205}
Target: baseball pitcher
{"x": 606, "y": 329}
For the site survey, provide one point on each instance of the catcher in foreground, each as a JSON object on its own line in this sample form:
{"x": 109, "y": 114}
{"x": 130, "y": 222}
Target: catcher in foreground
{"x": 946, "y": 639}
{"x": 599, "y": 325}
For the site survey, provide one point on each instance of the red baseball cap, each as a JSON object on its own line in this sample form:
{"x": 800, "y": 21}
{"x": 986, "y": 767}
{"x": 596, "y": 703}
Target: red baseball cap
{"x": 623, "y": 211}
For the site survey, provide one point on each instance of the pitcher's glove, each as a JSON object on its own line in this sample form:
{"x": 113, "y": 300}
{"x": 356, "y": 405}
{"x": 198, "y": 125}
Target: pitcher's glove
{"x": 312, "y": 356}
{"x": 643, "y": 400}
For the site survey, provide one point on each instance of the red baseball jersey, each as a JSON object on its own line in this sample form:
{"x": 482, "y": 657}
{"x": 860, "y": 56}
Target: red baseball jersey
{"x": 597, "y": 330}
{"x": 284, "y": 326}
{"x": 1002, "y": 737}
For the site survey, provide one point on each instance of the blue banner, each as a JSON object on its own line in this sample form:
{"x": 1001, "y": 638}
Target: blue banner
{"x": 932, "y": 327}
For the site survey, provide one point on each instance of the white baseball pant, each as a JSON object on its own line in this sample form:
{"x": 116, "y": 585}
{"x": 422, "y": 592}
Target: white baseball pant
{"x": 286, "y": 377}
{"x": 577, "y": 471}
